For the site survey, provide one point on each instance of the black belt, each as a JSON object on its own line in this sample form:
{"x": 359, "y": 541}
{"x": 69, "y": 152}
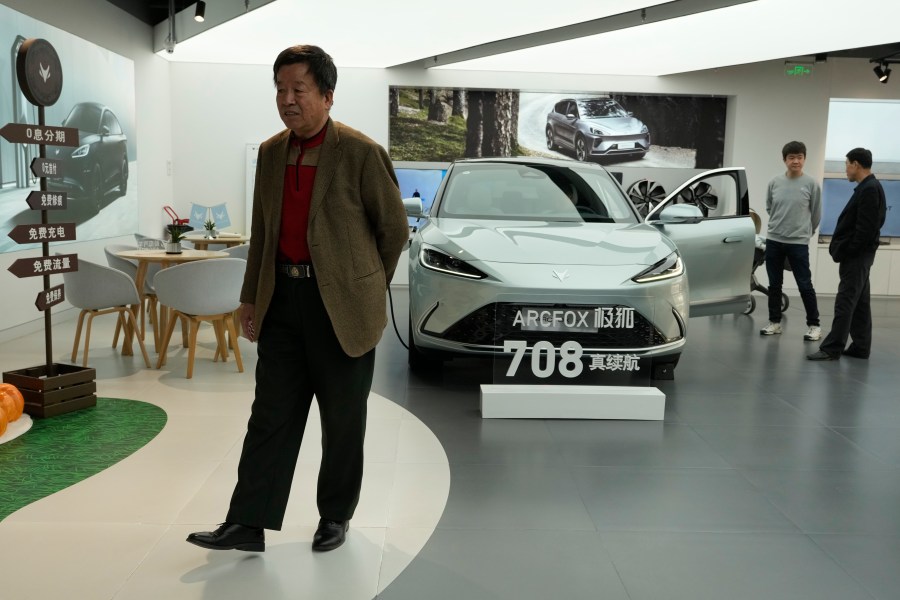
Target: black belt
{"x": 295, "y": 271}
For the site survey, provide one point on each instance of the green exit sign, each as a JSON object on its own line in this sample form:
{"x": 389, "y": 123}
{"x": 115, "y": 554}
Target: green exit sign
{"x": 797, "y": 70}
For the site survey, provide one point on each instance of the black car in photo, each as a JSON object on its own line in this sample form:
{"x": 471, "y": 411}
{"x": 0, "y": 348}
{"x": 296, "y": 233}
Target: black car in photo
{"x": 99, "y": 164}
{"x": 596, "y": 127}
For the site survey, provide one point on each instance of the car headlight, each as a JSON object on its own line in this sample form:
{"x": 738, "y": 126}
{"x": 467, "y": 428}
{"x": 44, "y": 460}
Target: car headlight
{"x": 645, "y": 129}
{"x": 669, "y": 267}
{"x": 444, "y": 263}
{"x": 597, "y": 131}
{"x": 81, "y": 151}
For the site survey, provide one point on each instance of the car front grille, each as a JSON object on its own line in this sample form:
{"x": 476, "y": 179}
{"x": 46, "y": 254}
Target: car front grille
{"x": 492, "y": 324}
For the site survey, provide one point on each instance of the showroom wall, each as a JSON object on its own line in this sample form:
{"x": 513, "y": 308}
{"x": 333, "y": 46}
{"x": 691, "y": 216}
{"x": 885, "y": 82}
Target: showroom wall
{"x": 198, "y": 119}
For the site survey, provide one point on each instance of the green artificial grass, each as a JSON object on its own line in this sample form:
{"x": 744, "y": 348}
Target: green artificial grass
{"x": 63, "y": 450}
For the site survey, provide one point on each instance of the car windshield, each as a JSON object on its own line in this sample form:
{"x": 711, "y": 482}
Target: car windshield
{"x": 600, "y": 108}
{"x": 85, "y": 117}
{"x": 534, "y": 192}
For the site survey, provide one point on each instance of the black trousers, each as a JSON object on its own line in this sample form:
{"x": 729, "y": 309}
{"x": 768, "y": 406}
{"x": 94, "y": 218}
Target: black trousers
{"x": 852, "y": 310}
{"x": 299, "y": 357}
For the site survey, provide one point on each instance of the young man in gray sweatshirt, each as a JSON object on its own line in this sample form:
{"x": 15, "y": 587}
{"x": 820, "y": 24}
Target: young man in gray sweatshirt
{"x": 794, "y": 204}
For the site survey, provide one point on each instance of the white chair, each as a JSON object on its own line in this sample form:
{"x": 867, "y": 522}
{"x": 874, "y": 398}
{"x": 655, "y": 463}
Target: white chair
{"x": 99, "y": 290}
{"x": 239, "y": 251}
{"x": 204, "y": 290}
{"x": 148, "y": 294}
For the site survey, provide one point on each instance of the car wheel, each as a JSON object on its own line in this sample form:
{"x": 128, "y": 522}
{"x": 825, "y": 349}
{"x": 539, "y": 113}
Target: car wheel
{"x": 123, "y": 183}
{"x": 420, "y": 362}
{"x": 646, "y": 195}
{"x": 97, "y": 187}
{"x": 580, "y": 150}
{"x": 551, "y": 142}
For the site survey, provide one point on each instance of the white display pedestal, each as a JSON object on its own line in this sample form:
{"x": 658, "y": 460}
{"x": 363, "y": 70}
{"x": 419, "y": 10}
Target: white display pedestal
{"x": 572, "y": 402}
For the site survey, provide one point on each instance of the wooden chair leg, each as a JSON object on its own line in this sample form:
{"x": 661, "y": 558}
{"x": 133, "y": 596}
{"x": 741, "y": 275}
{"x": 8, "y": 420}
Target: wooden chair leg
{"x": 221, "y": 345}
{"x": 192, "y": 346}
{"x": 152, "y": 308}
{"x": 164, "y": 345}
{"x": 140, "y": 342}
{"x": 87, "y": 336}
{"x": 78, "y": 335}
{"x": 232, "y": 332}
{"x": 118, "y": 329}
{"x": 184, "y": 333}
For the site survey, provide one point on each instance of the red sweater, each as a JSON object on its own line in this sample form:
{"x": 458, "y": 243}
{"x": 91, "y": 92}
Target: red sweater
{"x": 299, "y": 176}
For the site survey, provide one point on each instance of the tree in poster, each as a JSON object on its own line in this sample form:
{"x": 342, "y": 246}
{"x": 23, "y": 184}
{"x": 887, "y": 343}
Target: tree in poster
{"x": 492, "y": 124}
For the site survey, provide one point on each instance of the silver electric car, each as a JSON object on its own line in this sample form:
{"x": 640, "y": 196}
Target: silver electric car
{"x": 526, "y": 250}
{"x": 596, "y": 128}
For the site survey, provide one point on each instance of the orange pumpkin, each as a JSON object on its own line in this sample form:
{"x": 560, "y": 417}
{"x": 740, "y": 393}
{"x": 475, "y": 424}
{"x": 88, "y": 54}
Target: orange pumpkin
{"x": 11, "y": 398}
{"x": 3, "y": 421}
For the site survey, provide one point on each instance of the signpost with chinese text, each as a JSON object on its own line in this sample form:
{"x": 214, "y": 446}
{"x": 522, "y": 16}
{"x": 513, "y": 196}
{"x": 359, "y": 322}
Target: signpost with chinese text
{"x": 44, "y": 200}
{"x": 50, "y": 389}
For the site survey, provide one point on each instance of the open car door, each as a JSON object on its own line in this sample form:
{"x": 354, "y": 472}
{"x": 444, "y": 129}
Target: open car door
{"x": 717, "y": 247}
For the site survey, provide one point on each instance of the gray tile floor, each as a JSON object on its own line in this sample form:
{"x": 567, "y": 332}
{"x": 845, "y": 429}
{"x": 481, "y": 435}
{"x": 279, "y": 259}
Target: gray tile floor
{"x": 771, "y": 477}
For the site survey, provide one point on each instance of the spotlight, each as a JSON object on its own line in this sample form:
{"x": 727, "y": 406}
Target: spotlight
{"x": 882, "y": 72}
{"x": 200, "y": 11}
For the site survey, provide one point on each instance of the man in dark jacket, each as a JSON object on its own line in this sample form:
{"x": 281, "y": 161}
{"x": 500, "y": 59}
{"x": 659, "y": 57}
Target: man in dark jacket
{"x": 853, "y": 247}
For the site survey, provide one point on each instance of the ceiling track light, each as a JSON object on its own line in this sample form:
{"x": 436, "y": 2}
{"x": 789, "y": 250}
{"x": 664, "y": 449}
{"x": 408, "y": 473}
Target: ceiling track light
{"x": 882, "y": 68}
{"x": 200, "y": 11}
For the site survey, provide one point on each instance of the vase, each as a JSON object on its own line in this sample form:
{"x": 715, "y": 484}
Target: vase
{"x": 173, "y": 247}
{"x": 211, "y": 234}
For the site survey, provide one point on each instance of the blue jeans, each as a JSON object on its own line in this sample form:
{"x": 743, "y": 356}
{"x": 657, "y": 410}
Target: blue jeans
{"x": 797, "y": 256}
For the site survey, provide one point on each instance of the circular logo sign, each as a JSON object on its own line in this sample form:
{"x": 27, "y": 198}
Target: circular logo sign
{"x": 39, "y": 72}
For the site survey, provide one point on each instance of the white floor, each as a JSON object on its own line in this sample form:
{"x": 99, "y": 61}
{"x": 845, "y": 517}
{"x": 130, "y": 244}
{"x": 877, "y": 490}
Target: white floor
{"x": 120, "y": 534}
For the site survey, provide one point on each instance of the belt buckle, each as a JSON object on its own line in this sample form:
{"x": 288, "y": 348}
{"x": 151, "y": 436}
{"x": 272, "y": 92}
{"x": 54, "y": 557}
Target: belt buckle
{"x": 295, "y": 271}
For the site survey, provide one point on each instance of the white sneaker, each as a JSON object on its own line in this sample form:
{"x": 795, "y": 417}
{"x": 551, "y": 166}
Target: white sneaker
{"x": 771, "y": 329}
{"x": 813, "y": 334}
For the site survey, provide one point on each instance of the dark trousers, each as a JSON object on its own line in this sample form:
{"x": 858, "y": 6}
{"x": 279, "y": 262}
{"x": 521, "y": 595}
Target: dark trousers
{"x": 299, "y": 356}
{"x": 852, "y": 311}
{"x": 797, "y": 256}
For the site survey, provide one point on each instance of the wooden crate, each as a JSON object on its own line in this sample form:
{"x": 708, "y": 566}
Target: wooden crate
{"x": 70, "y": 388}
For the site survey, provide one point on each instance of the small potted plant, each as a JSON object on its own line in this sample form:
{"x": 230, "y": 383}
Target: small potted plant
{"x": 173, "y": 246}
{"x": 210, "y": 227}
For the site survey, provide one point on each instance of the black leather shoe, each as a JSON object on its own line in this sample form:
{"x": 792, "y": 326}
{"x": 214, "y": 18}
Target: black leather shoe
{"x": 822, "y": 355}
{"x": 231, "y": 536}
{"x": 330, "y": 535}
{"x": 855, "y": 352}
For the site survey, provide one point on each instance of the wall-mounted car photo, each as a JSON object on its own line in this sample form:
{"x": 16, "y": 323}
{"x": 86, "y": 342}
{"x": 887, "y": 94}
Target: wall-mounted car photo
{"x": 510, "y": 237}
{"x": 99, "y": 165}
{"x": 595, "y": 128}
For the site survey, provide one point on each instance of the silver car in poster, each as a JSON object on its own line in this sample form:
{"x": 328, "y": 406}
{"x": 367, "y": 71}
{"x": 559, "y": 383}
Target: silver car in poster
{"x": 553, "y": 250}
{"x": 596, "y": 128}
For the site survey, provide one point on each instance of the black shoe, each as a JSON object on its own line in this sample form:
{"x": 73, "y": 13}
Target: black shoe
{"x": 855, "y": 352}
{"x": 231, "y": 536}
{"x": 822, "y": 355}
{"x": 330, "y": 535}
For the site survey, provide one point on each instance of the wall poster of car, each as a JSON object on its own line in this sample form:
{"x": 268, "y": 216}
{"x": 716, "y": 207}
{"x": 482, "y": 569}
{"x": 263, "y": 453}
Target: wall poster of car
{"x": 98, "y": 98}
{"x": 430, "y": 124}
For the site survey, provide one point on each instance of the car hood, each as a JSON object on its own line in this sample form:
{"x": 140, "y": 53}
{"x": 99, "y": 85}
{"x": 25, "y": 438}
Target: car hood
{"x": 622, "y": 125}
{"x": 549, "y": 243}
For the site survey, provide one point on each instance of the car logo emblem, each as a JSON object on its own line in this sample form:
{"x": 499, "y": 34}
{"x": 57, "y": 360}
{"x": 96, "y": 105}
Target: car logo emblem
{"x": 561, "y": 275}
{"x": 45, "y": 72}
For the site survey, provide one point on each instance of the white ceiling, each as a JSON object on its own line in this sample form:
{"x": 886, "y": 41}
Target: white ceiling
{"x": 367, "y": 33}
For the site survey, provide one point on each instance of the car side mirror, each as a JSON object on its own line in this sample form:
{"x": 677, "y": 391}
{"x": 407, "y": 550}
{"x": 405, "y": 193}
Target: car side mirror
{"x": 104, "y": 130}
{"x": 413, "y": 207}
{"x": 571, "y": 117}
{"x": 681, "y": 213}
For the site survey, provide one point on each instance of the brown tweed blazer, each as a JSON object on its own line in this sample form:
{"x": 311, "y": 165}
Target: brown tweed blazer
{"x": 357, "y": 230}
